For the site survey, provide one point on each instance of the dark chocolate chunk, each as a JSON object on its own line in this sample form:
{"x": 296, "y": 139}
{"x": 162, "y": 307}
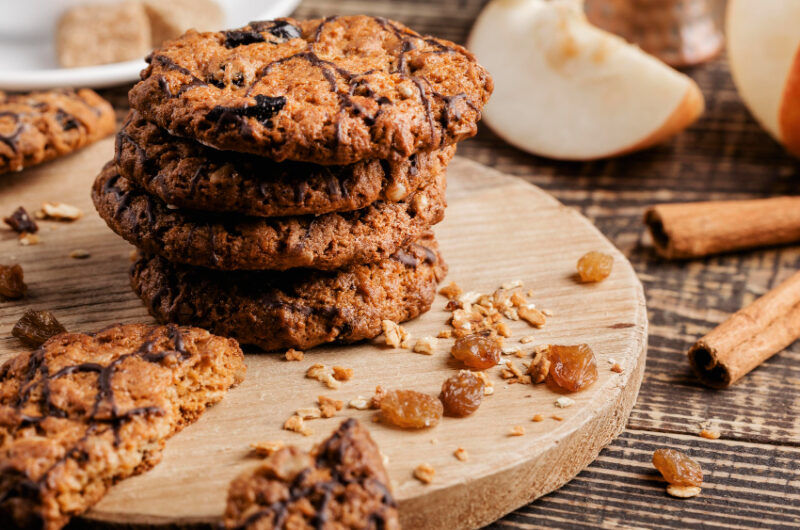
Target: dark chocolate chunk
{"x": 20, "y": 221}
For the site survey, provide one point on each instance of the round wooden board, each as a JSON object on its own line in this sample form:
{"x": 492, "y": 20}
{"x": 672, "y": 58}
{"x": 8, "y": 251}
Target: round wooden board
{"x": 497, "y": 229}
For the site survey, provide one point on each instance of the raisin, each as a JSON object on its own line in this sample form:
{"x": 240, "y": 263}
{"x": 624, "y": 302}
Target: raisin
{"x": 461, "y": 394}
{"x": 12, "y": 285}
{"x": 410, "y": 409}
{"x": 677, "y": 468}
{"x": 572, "y": 368}
{"x": 20, "y": 221}
{"x": 35, "y": 327}
{"x": 477, "y": 351}
{"x": 594, "y": 267}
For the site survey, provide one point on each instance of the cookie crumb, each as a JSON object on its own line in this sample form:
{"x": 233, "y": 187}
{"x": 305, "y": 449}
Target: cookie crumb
{"x": 294, "y": 355}
{"x": 488, "y": 385}
{"x": 683, "y": 492}
{"x": 424, "y": 473}
{"x": 340, "y": 373}
{"x": 26, "y": 239}
{"x": 564, "y": 402}
{"x": 461, "y": 454}
{"x": 537, "y": 418}
{"x": 502, "y": 329}
{"x": 328, "y": 406}
{"x": 452, "y": 291}
{"x": 394, "y": 334}
{"x": 296, "y": 424}
{"x": 709, "y": 434}
{"x": 517, "y": 430}
{"x": 309, "y": 413}
{"x": 266, "y": 448}
{"x": 540, "y": 366}
{"x": 517, "y": 300}
{"x": 59, "y": 211}
{"x": 532, "y": 316}
{"x": 79, "y": 253}
{"x": 320, "y": 372}
{"x": 426, "y": 345}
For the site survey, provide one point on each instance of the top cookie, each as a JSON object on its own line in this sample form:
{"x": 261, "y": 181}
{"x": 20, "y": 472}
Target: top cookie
{"x": 328, "y": 91}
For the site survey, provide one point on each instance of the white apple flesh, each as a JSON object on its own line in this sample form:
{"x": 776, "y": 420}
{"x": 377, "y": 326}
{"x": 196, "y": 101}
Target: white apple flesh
{"x": 763, "y": 43}
{"x": 565, "y": 89}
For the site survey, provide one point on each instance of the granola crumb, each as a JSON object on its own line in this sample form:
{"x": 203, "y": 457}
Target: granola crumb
{"x": 266, "y": 448}
{"x": 512, "y": 284}
{"x": 683, "y": 492}
{"x": 309, "y": 413}
{"x": 564, "y": 402}
{"x": 294, "y": 355}
{"x": 502, "y": 329}
{"x": 426, "y": 345}
{"x": 328, "y": 407}
{"x": 532, "y": 316}
{"x": 452, "y": 291}
{"x": 617, "y": 368}
{"x": 488, "y": 385}
{"x": 424, "y": 473}
{"x": 557, "y": 417}
{"x": 394, "y": 334}
{"x": 320, "y": 372}
{"x": 527, "y": 339}
{"x": 537, "y": 418}
{"x": 445, "y": 334}
{"x": 709, "y": 434}
{"x": 540, "y": 366}
{"x": 461, "y": 454}
{"x": 295, "y": 423}
{"x": 79, "y": 253}
{"x": 511, "y": 350}
{"x": 517, "y": 430}
{"x": 517, "y": 300}
{"x": 27, "y": 239}
{"x": 59, "y": 211}
{"x": 359, "y": 403}
{"x": 375, "y": 402}
{"x": 340, "y": 373}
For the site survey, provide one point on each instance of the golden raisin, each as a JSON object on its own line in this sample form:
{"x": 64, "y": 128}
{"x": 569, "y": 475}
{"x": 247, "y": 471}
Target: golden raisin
{"x": 461, "y": 394}
{"x": 410, "y": 409}
{"x": 572, "y": 368}
{"x": 677, "y": 468}
{"x": 478, "y": 352}
{"x": 35, "y": 327}
{"x": 12, "y": 285}
{"x": 594, "y": 266}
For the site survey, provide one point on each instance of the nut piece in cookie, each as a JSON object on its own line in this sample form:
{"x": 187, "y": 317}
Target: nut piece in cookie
{"x": 40, "y": 126}
{"x": 84, "y": 411}
{"x": 93, "y": 34}
{"x": 342, "y": 482}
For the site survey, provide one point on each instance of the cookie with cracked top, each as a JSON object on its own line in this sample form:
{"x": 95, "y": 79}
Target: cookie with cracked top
{"x": 39, "y": 126}
{"x": 228, "y": 242}
{"x": 342, "y": 483}
{"x": 86, "y": 410}
{"x": 299, "y": 308}
{"x": 188, "y": 175}
{"x": 327, "y": 91}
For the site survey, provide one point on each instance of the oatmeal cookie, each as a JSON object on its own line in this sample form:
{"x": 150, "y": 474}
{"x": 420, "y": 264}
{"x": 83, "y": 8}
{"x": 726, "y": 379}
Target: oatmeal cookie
{"x": 342, "y": 483}
{"x": 84, "y": 411}
{"x": 40, "y": 126}
{"x": 230, "y": 242}
{"x": 188, "y": 175}
{"x": 299, "y": 308}
{"x": 327, "y": 91}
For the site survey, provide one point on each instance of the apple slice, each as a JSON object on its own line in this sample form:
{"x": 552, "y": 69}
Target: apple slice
{"x": 568, "y": 90}
{"x": 763, "y": 44}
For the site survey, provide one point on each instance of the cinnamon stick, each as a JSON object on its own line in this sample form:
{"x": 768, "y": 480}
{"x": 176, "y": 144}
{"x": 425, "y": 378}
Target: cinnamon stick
{"x": 690, "y": 230}
{"x": 749, "y": 337}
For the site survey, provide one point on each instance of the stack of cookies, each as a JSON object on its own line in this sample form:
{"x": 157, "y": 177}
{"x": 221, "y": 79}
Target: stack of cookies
{"x": 281, "y": 180}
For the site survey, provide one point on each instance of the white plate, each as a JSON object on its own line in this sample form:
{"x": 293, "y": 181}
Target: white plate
{"x": 27, "y": 52}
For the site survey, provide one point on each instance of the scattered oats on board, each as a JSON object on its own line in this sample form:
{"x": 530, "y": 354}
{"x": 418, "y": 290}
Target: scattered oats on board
{"x": 564, "y": 402}
{"x": 426, "y": 345}
{"x": 683, "y": 492}
{"x": 461, "y": 454}
{"x": 59, "y": 211}
{"x": 266, "y": 448}
{"x": 517, "y": 430}
{"x": 424, "y": 473}
{"x": 488, "y": 385}
{"x": 294, "y": 355}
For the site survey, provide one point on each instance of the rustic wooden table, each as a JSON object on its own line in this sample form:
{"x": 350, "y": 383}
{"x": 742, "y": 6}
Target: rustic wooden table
{"x": 753, "y": 471}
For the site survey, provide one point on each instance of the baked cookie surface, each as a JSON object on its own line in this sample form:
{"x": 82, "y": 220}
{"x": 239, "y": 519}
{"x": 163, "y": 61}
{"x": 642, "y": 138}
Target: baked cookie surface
{"x": 188, "y": 175}
{"x": 228, "y": 242}
{"x": 342, "y": 483}
{"x": 40, "y": 126}
{"x": 299, "y": 308}
{"x": 327, "y": 91}
{"x": 83, "y": 411}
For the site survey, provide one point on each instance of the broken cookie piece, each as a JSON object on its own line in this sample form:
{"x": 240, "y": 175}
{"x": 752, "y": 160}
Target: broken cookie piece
{"x": 341, "y": 484}
{"x": 84, "y": 411}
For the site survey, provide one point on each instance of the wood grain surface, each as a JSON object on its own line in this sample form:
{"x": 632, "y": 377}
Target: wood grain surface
{"x": 752, "y": 472}
{"x": 502, "y": 473}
